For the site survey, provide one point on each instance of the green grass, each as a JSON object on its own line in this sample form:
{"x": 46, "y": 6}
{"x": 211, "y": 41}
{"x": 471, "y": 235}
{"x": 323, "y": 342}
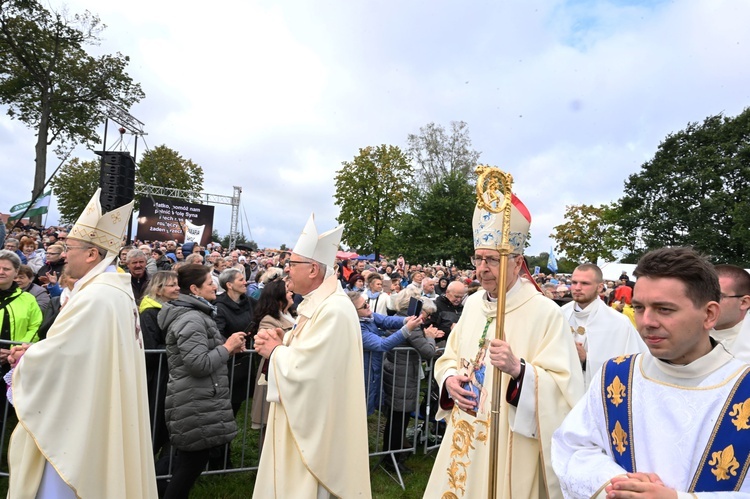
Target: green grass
{"x": 240, "y": 484}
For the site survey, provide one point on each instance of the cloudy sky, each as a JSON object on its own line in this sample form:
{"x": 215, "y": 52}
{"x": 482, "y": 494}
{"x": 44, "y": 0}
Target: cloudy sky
{"x": 571, "y": 97}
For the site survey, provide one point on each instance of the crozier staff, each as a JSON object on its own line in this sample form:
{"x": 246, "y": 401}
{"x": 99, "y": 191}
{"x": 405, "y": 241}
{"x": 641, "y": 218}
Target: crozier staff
{"x": 540, "y": 377}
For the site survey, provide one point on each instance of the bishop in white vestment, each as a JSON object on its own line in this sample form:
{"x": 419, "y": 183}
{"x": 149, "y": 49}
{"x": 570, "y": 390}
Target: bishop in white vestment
{"x": 540, "y": 377}
{"x": 316, "y": 441}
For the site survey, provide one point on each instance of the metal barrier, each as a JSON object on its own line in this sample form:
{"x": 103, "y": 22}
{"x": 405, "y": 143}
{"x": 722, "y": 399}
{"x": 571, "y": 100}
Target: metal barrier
{"x": 419, "y": 431}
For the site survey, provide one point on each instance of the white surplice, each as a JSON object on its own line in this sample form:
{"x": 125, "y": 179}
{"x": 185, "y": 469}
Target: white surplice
{"x": 608, "y": 334}
{"x": 674, "y": 409}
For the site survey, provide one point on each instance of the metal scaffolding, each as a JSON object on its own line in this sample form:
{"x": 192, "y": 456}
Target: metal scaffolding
{"x": 199, "y": 198}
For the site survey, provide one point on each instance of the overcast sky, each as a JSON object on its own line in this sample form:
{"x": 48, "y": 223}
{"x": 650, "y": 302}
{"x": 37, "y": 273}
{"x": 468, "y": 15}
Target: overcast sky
{"x": 570, "y": 97}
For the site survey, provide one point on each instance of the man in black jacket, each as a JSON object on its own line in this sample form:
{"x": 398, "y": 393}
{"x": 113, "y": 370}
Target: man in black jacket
{"x": 449, "y": 307}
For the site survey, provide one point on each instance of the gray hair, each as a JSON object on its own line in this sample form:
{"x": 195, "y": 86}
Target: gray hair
{"x": 227, "y": 276}
{"x": 11, "y": 257}
{"x": 353, "y": 295}
{"x": 136, "y": 253}
{"x": 195, "y": 258}
{"x": 428, "y": 306}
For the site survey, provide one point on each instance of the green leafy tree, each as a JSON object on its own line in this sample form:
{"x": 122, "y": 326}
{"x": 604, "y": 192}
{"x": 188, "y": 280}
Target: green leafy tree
{"x": 50, "y": 82}
{"x": 164, "y": 167}
{"x": 695, "y": 191}
{"x": 73, "y": 186}
{"x": 438, "y": 153}
{"x": 564, "y": 265}
{"x": 438, "y": 226}
{"x": 369, "y": 191}
{"x": 241, "y": 241}
{"x": 589, "y": 232}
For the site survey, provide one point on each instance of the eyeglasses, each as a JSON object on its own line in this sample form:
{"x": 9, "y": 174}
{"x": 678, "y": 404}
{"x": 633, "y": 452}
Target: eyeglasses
{"x": 297, "y": 262}
{"x": 364, "y": 306}
{"x": 731, "y": 296}
{"x": 50, "y": 253}
{"x": 491, "y": 261}
{"x": 67, "y": 248}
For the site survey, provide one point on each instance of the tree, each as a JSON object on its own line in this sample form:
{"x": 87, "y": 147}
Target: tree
{"x": 695, "y": 191}
{"x": 73, "y": 186}
{"x": 49, "y": 81}
{"x": 164, "y": 167}
{"x": 438, "y": 153}
{"x": 241, "y": 241}
{"x": 161, "y": 166}
{"x": 369, "y": 191}
{"x": 438, "y": 227}
{"x": 564, "y": 264}
{"x": 588, "y": 233}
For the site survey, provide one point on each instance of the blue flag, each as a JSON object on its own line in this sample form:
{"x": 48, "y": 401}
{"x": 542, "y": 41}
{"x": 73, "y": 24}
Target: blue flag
{"x": 552, "y": 261}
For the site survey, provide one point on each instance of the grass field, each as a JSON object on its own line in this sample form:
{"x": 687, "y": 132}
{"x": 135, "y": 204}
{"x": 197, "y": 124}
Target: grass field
{"x": 245, "y": 454}
{"x": 240, "y": 485}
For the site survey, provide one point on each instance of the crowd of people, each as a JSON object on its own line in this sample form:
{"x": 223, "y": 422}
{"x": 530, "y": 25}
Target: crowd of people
{"x": 573, "y": 348}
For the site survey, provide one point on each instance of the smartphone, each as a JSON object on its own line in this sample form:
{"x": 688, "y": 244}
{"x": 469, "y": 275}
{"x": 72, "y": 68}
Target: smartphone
{"x": 415, "y": 307}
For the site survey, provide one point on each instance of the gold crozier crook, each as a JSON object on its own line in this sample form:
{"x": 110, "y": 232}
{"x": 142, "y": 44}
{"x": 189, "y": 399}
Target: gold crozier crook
{"x": 491, "y": 180}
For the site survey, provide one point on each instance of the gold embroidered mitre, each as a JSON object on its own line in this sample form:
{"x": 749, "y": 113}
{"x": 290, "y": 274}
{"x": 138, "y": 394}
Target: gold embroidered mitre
{"x": 321, "y": 248}
{"x": 103, "y": 230}
{"x": 488, "y": 226}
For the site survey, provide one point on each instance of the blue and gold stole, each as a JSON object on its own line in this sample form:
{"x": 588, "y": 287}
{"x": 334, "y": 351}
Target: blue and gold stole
{"x": 617, "y": 377}
{"x": 725, "y": 461}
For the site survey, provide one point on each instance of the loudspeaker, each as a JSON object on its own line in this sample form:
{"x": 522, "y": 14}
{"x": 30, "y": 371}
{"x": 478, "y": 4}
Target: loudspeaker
{"x": 116, "y": 179}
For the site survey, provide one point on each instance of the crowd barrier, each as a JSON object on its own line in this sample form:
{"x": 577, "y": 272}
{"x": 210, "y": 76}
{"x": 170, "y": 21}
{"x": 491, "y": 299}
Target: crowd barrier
{"x": 243, "y": 454}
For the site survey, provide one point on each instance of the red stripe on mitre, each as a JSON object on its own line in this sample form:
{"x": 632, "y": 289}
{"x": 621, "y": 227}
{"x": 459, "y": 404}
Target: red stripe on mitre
{"x": 520, "y": 207}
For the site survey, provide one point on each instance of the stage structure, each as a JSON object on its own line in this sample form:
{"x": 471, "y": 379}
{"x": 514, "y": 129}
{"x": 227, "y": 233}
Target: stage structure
{"x": 199, "y": 198}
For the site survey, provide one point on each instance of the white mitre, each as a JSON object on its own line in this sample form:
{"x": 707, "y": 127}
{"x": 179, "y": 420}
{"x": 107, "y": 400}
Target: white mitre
{"x": 488, "y": 226}
{"x": 103, "y": 230}
{"x": 321, "y": 248}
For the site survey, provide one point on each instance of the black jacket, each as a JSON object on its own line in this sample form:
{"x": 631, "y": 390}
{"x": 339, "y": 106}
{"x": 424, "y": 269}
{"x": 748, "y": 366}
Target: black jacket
{"x": 446, "y": 315}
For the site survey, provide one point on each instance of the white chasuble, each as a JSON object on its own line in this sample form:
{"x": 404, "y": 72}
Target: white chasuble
{"x": 81, "y": 399}
{"x": 316, "y": 440}
{"x": 537, "y": 332}
{"x": 605, "y": 332}
{"x": 674, "y": 411}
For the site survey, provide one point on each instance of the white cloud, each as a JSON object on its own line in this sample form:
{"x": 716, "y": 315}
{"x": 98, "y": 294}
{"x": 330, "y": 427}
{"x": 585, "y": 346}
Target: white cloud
{"x": 571, "y": 97}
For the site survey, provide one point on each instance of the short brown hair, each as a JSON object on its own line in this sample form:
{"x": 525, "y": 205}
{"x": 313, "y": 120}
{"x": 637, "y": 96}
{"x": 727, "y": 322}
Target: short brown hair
{"x": 687, "y": 265}
{"x": 374, "y": 277}
{"x": 737, "y": 274}
{"x": 595, "y": 268}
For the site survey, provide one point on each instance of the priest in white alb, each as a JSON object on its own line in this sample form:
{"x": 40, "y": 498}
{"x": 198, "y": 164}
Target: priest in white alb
{"x": 541, "y": 377}
{"x": 316, "y": 441}
{"x": 673, "y": 422}
{"x": 598, "y": 331}
{"x": 80, "y": 395}
{"x": 733, "y": 326}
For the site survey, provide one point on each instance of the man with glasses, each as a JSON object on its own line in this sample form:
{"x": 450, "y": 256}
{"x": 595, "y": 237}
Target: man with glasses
{"x": 54, "y": 262}
{"x": 450, "y": 306}
{"x": 672, "y": 421}
{"x": 316, "y": 441}
{"x": 540, "y": 377}
{"x": 80, "y": 395}
{"x": 732, "y": 328}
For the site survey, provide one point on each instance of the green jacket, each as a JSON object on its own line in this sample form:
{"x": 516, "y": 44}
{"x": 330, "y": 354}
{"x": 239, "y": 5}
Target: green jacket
{"x": 25, "y": 317}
